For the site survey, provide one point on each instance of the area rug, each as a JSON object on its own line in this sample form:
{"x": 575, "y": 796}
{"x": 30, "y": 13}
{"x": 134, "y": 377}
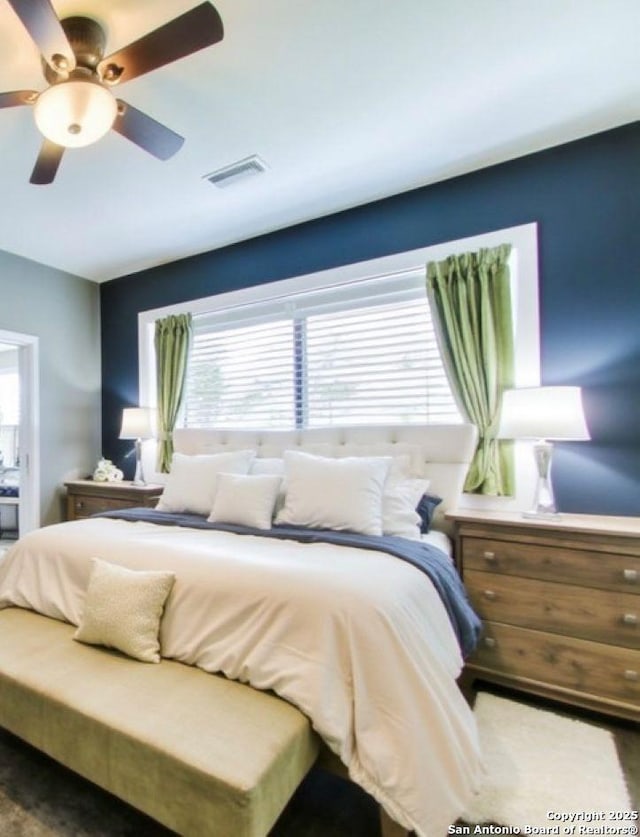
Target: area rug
{"x": 541, "y": 765}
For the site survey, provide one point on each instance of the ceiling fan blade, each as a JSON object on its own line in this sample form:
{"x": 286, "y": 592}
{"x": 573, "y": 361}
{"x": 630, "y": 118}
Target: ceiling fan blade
{"x": 201, "y": 27}
{"x": 41, "y": 22}
{"x": 144, "y": 131}
{"x": 17, "y": 97}
{"x": 47, "y": 163}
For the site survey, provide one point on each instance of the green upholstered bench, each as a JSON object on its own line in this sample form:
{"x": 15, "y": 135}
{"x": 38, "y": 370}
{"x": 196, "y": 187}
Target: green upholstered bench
{"x": 201, "y": 754}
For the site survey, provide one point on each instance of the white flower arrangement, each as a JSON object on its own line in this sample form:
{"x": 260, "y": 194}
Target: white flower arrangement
{"x": 106, "y": 471}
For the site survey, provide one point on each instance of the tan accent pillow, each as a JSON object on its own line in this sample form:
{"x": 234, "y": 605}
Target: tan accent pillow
{"x": 123, "y": 609}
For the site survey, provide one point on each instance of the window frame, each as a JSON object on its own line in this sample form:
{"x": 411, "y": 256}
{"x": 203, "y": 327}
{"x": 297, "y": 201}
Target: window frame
{"x": 524, "y": 272}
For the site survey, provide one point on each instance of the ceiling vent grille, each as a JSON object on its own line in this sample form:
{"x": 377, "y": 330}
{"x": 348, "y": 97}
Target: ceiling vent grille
{"x": 234, "y": 173}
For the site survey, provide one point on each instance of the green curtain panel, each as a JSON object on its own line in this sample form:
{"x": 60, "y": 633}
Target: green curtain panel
{"x": 470, "y": 300}
{"x": 172, "y": 343}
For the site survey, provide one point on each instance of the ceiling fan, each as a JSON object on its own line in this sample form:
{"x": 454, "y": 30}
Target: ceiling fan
{"x": 78, "y": 107}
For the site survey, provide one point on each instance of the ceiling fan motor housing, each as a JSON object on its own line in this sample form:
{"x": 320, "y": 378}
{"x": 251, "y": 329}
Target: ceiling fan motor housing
{"x": 77, "y": 109}
{"x": 87, "y": 40}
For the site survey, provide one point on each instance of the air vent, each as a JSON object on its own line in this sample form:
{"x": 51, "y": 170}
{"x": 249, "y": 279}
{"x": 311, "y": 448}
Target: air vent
{"x": 243, "y": 169}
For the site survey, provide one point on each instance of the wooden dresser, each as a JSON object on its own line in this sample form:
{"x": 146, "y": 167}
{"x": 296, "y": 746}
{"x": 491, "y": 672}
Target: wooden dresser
{"x": 560, "y": 601}
{"x": 86, "y": 497}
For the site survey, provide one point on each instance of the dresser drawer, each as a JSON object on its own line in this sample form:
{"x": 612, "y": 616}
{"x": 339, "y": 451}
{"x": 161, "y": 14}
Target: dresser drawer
{"x": 583, "y": 612}
{"x": 87, "y": 497}
{"x": 607, "y": 571}
{"x": 85, "y": 506}
{"x": 598, "y": 671}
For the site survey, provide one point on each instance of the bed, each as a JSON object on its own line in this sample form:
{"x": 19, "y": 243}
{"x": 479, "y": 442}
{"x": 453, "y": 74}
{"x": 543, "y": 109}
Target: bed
{"x": 335, "y": 607}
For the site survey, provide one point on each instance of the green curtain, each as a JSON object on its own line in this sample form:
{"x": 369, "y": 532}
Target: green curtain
{"x": 172, "y": 342}
{"x": 470, "y": 302}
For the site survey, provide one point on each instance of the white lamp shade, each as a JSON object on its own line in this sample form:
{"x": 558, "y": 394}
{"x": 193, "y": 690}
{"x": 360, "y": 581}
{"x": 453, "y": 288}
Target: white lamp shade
{"x": 137, "y": 423}
{"x": 543, "y": 413}
{"x": 75, "y": 113}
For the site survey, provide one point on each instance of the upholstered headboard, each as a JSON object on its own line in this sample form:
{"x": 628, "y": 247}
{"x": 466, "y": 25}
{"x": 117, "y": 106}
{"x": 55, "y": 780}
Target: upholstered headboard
{"x": 439, "y": 452}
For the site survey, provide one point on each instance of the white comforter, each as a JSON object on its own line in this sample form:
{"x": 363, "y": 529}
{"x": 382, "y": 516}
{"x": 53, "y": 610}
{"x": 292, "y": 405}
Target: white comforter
{"x": 358, "y": 640}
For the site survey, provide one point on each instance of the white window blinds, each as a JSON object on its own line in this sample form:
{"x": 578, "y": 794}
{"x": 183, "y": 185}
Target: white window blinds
{"x": 361, "y": 353}
{"x": 241, "y": 377}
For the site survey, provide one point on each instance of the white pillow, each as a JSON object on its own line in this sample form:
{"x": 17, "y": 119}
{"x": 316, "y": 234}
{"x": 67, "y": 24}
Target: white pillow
{"x": 271, "y": 465}
{"x": 267, "y": 465}
{"x": 408, "y": 461}
{"x": 343, "y": 494}
{"x": 123, "y": 609}
{"x": 399, "y": 502}
{"x": 245, "y": 500}
{"x": 191, "y": 486}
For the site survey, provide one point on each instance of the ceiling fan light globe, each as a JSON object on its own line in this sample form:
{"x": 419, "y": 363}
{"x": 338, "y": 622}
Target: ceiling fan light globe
{"x": 75, "y": 113}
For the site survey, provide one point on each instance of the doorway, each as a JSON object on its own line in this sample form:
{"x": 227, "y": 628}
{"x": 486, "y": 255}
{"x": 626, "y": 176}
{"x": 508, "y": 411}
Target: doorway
{"x": 19, "y": 450}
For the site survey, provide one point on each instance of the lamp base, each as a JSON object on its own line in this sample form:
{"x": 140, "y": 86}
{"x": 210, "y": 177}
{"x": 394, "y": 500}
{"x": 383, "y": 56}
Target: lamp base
{"x": 532, "y": 514}
{"x": 544, "y": 504}
{"x": 138, "y": 478}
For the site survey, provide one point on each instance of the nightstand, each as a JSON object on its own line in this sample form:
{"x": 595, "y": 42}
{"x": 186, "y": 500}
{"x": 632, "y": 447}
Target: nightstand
{"x": 560, "y": 602}
{"x": 86, "y": 497}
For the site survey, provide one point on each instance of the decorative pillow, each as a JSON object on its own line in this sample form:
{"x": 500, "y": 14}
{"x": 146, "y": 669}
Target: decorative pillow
{"x": 399, "y": 504}
{"x": 123, "y": 609}
{"x": 426, "y": 509}
{"x": 191, "y": 486}
{"x": 342, "y": 494}
{"x": 267, "y": 465}
{"x": 272, "y": 465}
{"x": 248, "y": 500}
{"x": 408, "y": 460}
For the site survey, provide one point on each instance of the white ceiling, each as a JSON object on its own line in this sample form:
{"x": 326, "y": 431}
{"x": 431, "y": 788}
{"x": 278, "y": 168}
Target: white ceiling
{"x": 346, "y": 101}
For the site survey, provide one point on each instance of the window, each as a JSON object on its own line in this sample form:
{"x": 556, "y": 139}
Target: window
{"x": 9, "y": 418}
{"x": 241, "y": 377}
{"x": 9, "y": 397}
{"x": 359, "y": 353}
{"x": 341, "y": 298}
{"x": 376, "y": 365}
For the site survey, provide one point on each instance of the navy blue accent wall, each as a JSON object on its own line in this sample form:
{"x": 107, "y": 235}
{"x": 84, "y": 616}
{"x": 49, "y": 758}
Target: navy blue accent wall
{"x": 585, "y": 196}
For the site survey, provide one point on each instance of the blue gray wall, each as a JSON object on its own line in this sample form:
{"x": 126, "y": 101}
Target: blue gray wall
{"x": 62, "y": 311}
{"x": 585, "y": 197}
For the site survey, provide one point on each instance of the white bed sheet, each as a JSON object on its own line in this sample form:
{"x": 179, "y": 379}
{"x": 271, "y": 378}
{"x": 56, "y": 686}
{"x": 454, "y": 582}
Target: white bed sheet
{"x": 357, "y": 639}
{"x": 440, "y": 540}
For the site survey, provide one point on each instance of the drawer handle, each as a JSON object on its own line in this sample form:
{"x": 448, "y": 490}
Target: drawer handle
{"x": 489, "y": 556}
{"x": 79, "y": 504}
{"x": 490, "y": 594}
{"x": 632, "y": 675}
{"x": 630, "y": 575}
{"x": 490, "y": 642}
{"x": 630, "y": 618}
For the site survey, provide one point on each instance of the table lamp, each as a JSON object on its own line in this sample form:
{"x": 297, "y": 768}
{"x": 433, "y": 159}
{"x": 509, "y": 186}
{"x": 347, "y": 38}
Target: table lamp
{"x": 137, "y": 424}
{"x": 543, "y": 414}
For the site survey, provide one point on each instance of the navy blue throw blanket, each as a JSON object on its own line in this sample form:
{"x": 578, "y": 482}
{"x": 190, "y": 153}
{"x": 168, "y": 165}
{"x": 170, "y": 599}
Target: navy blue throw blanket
{"x": 425, "y": 557}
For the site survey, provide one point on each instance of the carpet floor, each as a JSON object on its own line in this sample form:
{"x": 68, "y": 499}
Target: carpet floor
{"x": 39, "y": 798}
